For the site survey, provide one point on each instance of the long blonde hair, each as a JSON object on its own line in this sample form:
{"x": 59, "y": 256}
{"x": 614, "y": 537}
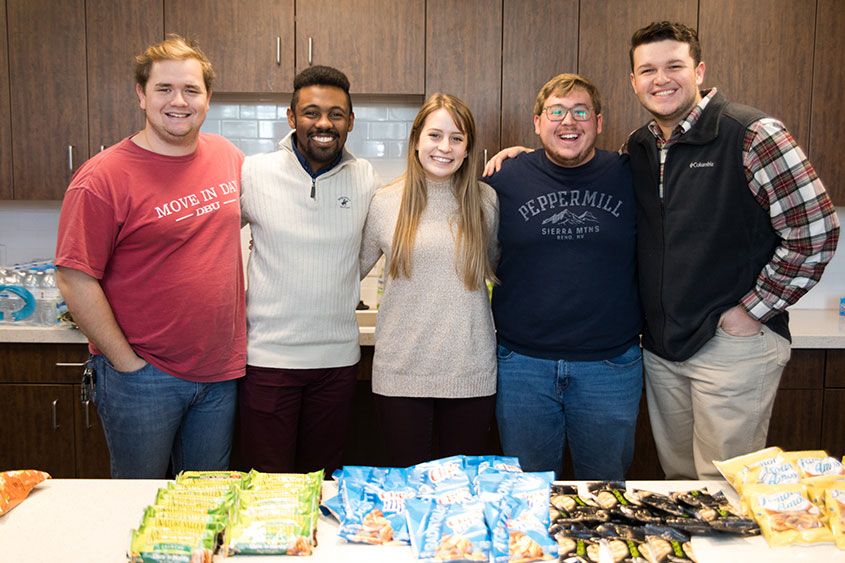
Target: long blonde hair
{"x": 471, "y": 260}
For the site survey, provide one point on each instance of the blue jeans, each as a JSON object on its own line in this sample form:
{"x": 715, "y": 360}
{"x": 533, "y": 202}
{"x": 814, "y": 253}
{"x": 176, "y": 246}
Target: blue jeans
{"x": 542, "y": 405}
{"x": 151, "y": 418}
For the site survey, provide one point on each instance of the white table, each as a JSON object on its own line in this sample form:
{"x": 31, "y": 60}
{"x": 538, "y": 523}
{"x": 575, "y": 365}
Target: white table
{"x": 89, "y": 521}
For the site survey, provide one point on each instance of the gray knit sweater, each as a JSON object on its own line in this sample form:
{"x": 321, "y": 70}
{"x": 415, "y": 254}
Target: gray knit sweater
{"x": 434, "y": 337}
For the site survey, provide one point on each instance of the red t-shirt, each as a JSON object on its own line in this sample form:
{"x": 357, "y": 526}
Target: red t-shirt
{"x": 162, "y": 234}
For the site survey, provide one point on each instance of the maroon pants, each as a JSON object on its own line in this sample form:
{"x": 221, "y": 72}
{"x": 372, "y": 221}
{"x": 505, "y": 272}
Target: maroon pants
{"x": 409, "y": 426}
{"x": 295, "y": 420}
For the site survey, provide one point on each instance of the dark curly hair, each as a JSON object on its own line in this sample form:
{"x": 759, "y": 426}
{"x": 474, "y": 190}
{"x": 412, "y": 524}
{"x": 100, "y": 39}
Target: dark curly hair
{"x": 320, "y": 75}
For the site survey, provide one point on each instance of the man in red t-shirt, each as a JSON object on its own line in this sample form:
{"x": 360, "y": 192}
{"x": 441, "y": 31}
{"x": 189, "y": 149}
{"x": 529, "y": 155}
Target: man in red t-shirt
{"x": 149, "y": 263}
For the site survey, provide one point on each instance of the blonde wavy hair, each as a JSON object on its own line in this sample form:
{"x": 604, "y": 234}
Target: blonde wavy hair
{"x": 471, "y": 243}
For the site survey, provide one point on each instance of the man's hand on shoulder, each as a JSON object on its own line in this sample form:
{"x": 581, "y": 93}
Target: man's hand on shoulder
{"x": 495, "y": 163}
{"x": 737, "y": 322}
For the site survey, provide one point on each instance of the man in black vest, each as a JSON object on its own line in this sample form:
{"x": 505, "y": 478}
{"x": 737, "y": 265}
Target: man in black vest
{"x": 733, "y": 226}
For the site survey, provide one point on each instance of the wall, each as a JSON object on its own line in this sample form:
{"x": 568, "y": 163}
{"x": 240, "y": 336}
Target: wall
{"x": 382, "y": 125}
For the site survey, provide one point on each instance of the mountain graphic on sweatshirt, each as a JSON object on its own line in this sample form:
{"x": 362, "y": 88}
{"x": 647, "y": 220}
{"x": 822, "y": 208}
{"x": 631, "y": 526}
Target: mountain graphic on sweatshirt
{"x": 566, "y": 217}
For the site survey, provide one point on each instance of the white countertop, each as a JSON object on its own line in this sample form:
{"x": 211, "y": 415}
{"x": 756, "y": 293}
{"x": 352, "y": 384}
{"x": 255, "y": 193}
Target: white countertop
{"x": 811, "y": 328}
{"x": 89, "y": 521}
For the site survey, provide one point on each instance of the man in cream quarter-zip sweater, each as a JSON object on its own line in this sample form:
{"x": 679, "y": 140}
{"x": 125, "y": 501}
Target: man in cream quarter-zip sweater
{"x": 306, "y": 204}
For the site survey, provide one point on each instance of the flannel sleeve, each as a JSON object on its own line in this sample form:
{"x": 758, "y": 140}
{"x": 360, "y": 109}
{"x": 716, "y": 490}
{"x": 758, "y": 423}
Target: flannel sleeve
{"x": 785, "y": 184}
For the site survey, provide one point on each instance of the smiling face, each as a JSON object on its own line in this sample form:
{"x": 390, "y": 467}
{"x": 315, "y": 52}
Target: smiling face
{"x": 441, "y": 147}
{"x": 175, "y": 101}
{"x": 322, "y": 120}
{"x": 568, "y": 143}
{"x": 666, "y": 80}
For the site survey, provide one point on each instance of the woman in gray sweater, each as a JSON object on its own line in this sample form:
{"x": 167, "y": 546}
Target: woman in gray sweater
{"x": 434, "y": 369}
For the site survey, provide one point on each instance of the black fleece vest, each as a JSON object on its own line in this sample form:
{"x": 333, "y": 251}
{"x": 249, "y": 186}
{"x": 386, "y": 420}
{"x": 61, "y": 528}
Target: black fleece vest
{"x": 700, "y": 248}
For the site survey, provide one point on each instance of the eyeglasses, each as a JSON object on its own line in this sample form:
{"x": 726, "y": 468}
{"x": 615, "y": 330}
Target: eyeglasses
{"x": 578, "y": 113}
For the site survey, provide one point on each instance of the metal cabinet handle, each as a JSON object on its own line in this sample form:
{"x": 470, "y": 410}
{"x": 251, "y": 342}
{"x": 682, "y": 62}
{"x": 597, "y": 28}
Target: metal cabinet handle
{"x": 102, "y": 148}
{"x": 278, "y": 50}
{"x": 310, "y": 50}
{"x": 70, "y": 157}
{"x": 55, "y": 418}
{"x": 87, "y": 417}
{"x": 485, "y": 157}
{"x": 69, "y": 364}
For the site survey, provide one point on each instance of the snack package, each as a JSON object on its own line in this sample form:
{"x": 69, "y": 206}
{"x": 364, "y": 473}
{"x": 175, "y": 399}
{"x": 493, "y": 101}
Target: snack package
{"x": 16, "y": 485}
{"x": 734, "y": 469}
{"x": 666, "y": 545}
{"x": 835, "y": 506}
{"x": 375, "y": 514}
{"x": 448, "y": 532}
{"x": 613, "y": 497}
{"x": 569, "y": 508}
{"x": 786, "y": 515}
{"x": 155, "y": 545}
{"x": 717, "y": 512}
{"x": 518, "y": 535}
{"x": 291, "y": 535}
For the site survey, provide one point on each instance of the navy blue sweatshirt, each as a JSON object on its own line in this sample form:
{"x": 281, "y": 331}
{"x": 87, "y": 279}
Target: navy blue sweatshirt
{"x": 567, "y": 270}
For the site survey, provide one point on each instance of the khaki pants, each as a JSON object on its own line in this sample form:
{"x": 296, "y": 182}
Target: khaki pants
{"x": 715, "y": 405}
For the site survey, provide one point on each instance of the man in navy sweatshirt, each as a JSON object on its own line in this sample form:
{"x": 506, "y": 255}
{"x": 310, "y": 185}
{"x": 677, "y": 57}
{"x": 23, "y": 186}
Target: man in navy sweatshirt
{"x": 567, "y": 312}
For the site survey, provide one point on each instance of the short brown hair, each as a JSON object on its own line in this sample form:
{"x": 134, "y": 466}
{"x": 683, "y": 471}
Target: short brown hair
{"x": 563, "y": 84}
{"x": 174, "y": 48}
{"x": 661, "y": 31}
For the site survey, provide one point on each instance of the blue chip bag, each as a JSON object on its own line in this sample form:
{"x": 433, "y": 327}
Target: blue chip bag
{"x": 533, "y": 488}
{"x": 448, "y": 532}
{"x": 374, "y": 514}
{"x": 518, "y": 535}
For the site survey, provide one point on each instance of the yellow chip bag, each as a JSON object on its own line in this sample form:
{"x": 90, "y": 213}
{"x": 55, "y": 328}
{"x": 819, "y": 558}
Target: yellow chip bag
{"x": 786, "y": 516}
{"x": 734, "y": 470}
{"x": 835, "y": 505}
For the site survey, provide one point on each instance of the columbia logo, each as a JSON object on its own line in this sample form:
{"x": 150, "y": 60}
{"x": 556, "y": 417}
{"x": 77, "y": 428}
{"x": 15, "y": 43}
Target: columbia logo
{"x": 344, "y": 201}
{"x": 708, "y": 164}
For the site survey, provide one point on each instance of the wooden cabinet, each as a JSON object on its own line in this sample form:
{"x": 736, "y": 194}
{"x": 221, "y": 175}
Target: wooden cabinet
{"x": 379, "y": 44}
{"x": 465, "y": 60}
{"x": 604, "y": 37}
{"x": 116, "y": 33}
{"x": 828, "y": 114}
{"x": 49, "y": 106}
{"x": 530, "y": 58}
{"x": 5, "y": 118}
{"x": 796, "y": 422}
{"x": 249, "y": 42}
{"x": 43, "y": 424}
{"x": 760, "y": 53}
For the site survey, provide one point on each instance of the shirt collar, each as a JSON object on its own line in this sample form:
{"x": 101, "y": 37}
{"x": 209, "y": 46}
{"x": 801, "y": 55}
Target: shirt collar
{"x": 686, "y": 123}
{"x": 307, "y": 165}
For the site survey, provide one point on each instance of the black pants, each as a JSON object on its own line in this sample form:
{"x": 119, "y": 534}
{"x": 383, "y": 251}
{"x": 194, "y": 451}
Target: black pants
{"x": 421, "y": 429}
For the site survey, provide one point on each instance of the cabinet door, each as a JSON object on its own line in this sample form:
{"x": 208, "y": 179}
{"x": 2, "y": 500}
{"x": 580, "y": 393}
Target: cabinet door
{"x": 378, "y": 44}
{"x": 530, "y": 59}
{"x": 5, "y": 118}
{"x": 604, "y": 40}
{"x": 92, "y": 451}
{"x": 835, "y": 369}
{"x": 760, "y": 53}
{"x": 828, "y": 115}
{"x": 48, "y": 94}
{"x": 249, "y": 42}
{"x": 463, "y": 57}
{"x": 37, "y": 429}
{"x": 117, "y": 32}
{"x": 833, "y": 439}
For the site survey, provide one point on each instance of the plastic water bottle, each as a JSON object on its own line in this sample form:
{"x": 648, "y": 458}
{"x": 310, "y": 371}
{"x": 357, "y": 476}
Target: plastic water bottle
{"x": 52, "y": 299}
{"x": 32, "y": 281}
